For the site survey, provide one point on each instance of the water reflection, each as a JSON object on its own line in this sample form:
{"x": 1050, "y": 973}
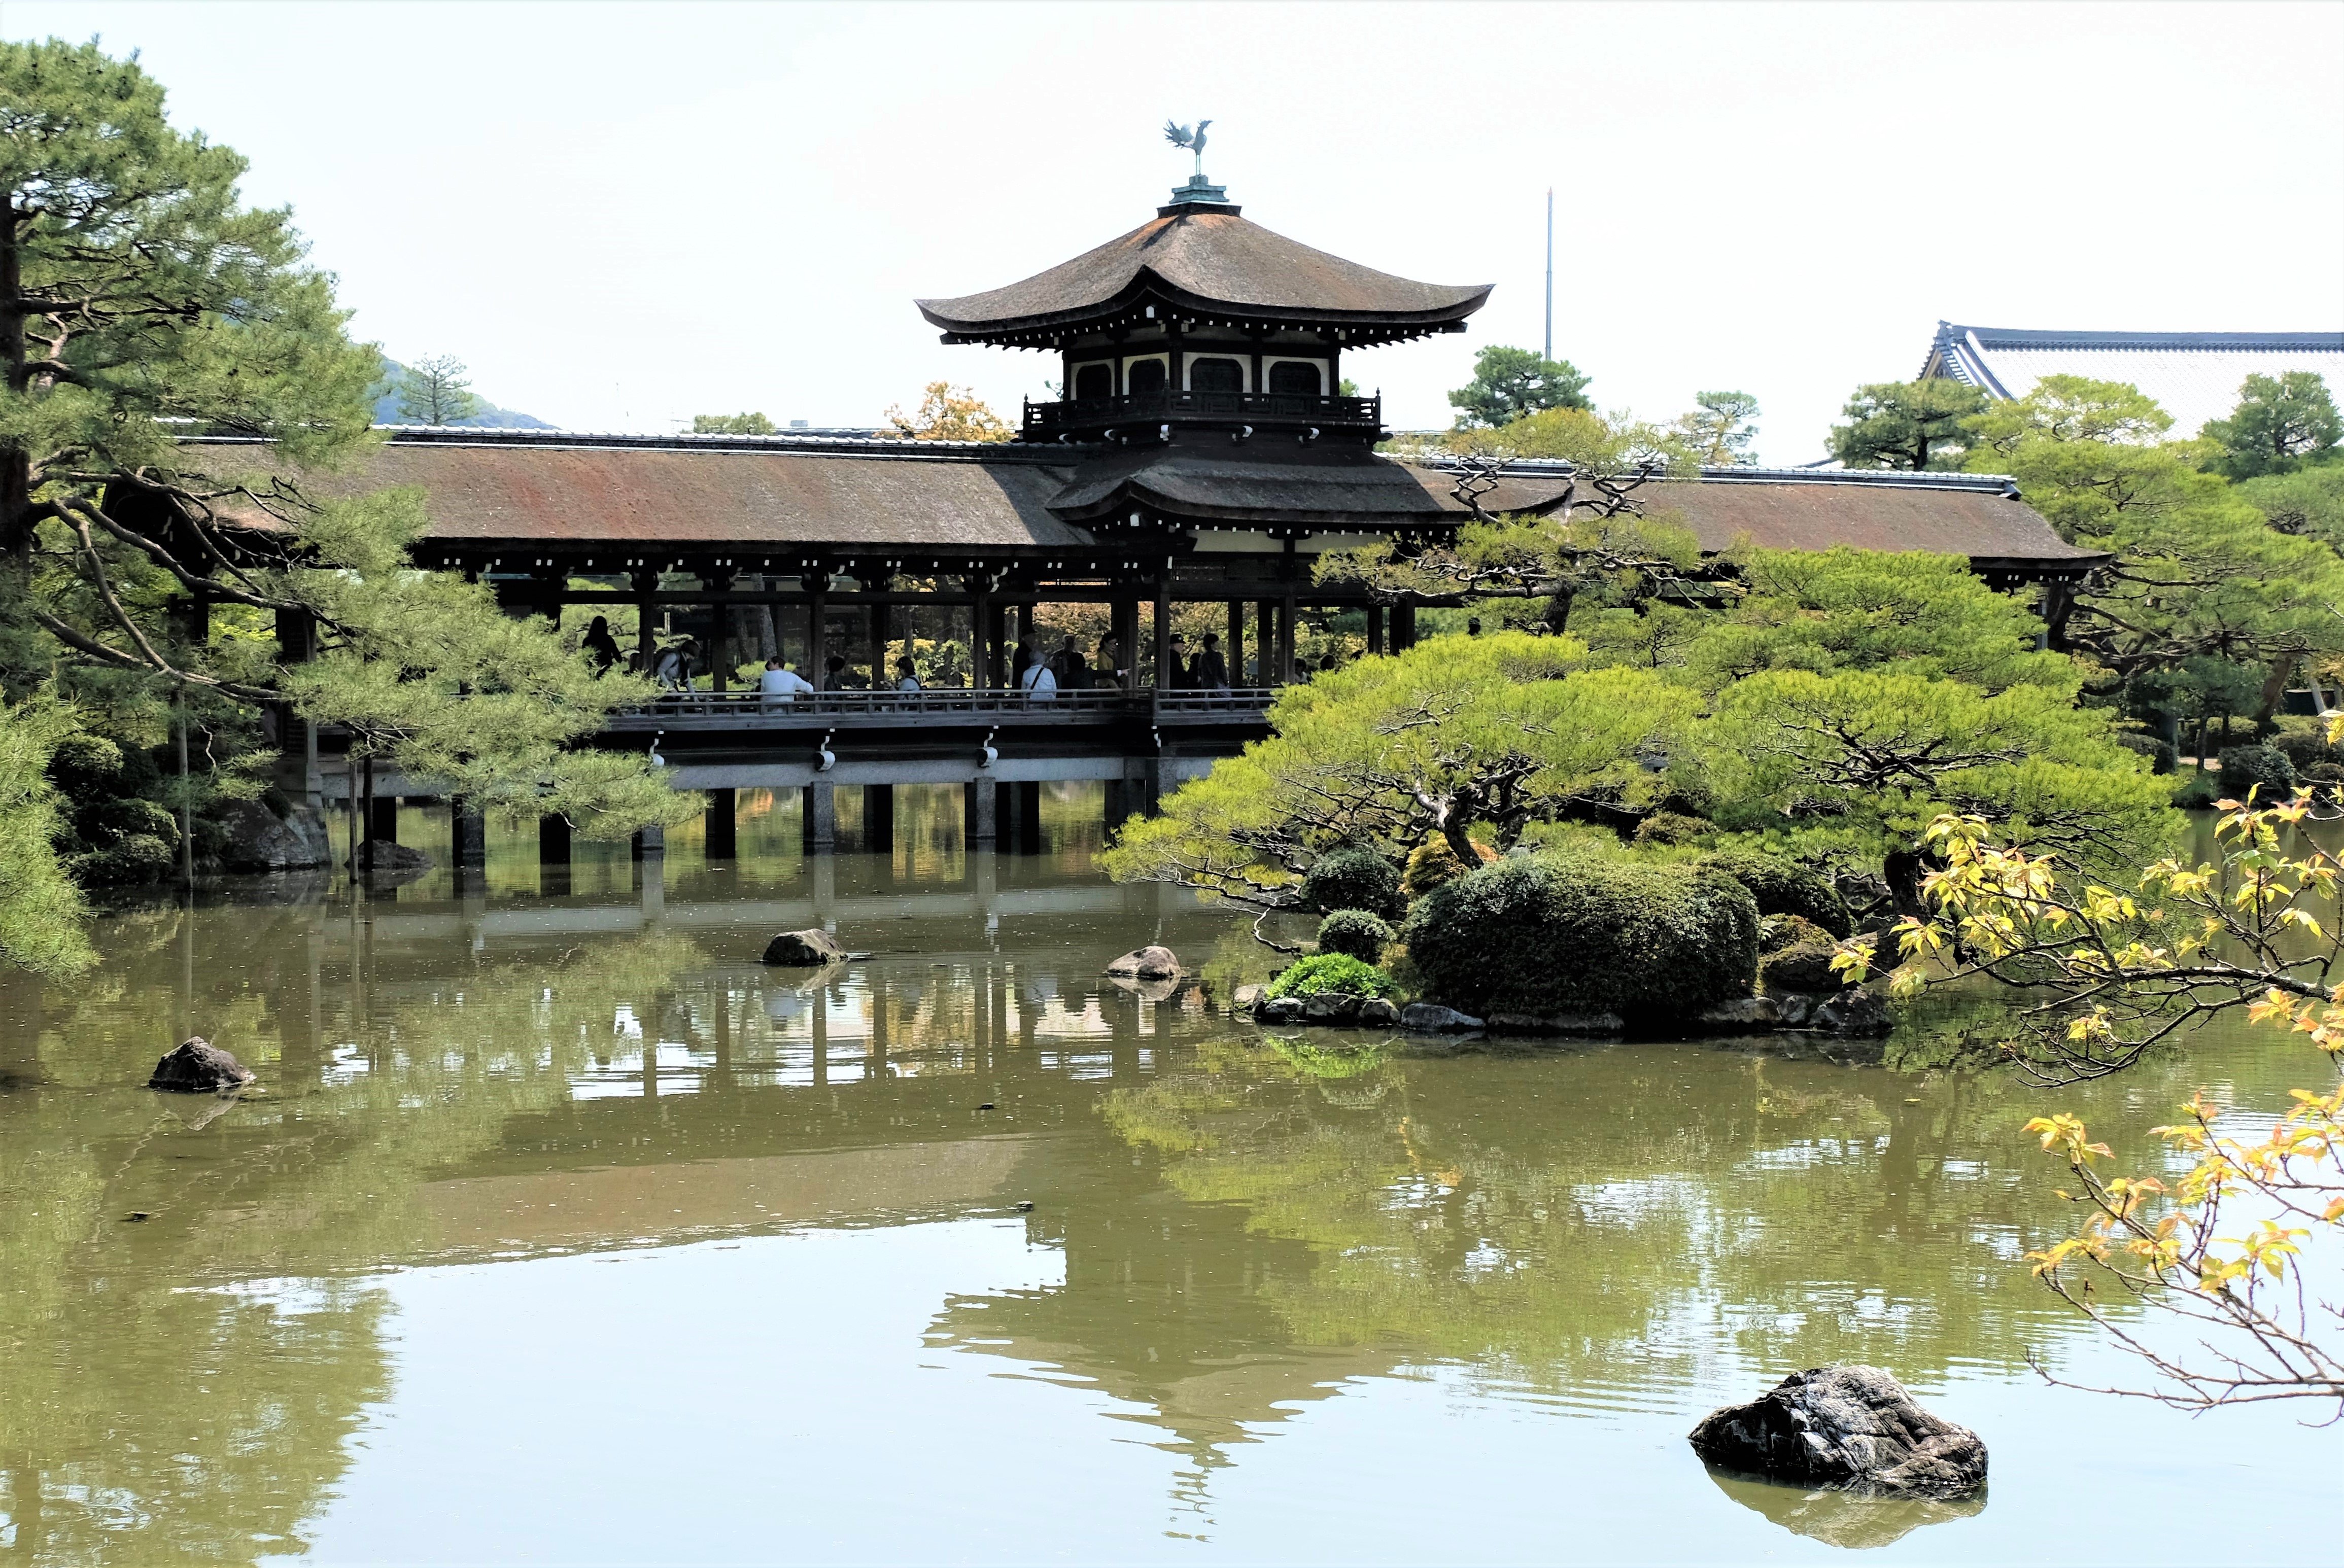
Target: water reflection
{"x": 1244, "y": 1230}
{"x": 1844, "y": 1518}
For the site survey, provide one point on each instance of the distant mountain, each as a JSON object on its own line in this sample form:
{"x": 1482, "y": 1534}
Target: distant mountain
{"x": 490, "y": 417}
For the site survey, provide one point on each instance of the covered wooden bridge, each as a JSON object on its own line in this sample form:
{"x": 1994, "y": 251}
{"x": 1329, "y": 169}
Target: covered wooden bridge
{"x": 1205, "y": 454}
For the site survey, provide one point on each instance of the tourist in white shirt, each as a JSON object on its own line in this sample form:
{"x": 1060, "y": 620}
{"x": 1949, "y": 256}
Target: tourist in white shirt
{"x": 1040, "y": 685}
{"x": 779, "y": 685}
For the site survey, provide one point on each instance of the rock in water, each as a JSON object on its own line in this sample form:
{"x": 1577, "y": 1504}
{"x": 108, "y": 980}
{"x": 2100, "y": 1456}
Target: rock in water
{"x": 1246, "y": 1000}
{"x": 1146, "y": 964}
{"x": 380, "y": 854}
{"x": 1431, "y": 1019}
{"x": 197, "y": 1067}
{"x": 1375, "y": 1012}
{"x": 255, "y": 838}
{"x": 805, "y": 949}
{"x": 1280, "y": 1010}
{"x": 1844, "y": 1426}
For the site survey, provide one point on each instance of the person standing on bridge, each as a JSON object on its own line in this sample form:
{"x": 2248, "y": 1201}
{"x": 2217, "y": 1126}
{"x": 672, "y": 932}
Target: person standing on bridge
{"x": 1034, "y": 675}
{"x": 779, "y": 685}
{"x": 1070, "y": 667}
{"x": 1212, "y": 671}
{"x": 1177, "y": 676}
{"x": 1110, "y": 668}
{"x": 907, "y": 678}
{"x": 599, "y": 646}
{"x": 833, "y": 677}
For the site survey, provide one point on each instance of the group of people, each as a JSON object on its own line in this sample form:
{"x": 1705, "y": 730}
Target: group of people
{"x": 1041, "y": 677}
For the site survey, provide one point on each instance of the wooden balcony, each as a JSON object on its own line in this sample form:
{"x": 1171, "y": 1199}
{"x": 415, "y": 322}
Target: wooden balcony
{"x": 1093, "y": 419}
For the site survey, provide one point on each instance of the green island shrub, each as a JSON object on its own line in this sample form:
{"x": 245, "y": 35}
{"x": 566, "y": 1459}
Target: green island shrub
{"x": 1546, "y": 936}
{"x": 2305, "y": 749}
{"x": 1356, "y": 931}
{"x": 2262, "y": 768}
{"x": 1786, "y": 887}
{"x": 2202, "y": 788}
{"x": 1354, "y": 879}
{"x": 1674, "y": 827}
{"x": 1337, "y": 972}
{"x": 1801, "y": 967}
{"x": 1434, "y": 863}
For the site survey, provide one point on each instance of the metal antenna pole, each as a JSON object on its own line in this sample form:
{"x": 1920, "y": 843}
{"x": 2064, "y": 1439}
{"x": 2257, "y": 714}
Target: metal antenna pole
{"x": 1550, "y": 272}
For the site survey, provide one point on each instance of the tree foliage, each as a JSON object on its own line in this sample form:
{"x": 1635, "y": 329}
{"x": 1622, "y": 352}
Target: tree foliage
{"x": 1722, "y": 430}
{"x": 2282, "y": 423}
{"x": 746, "y": 424}
{"x": 140, "y": 301}
{"x": 40, "y": 908}
{"x": 1907, "y": 425}
{"x": 948, "y": 413}
{"x": 435, "y": 391}
{"x": 1509, "y": 384}
{"x": 2197, "y": 569}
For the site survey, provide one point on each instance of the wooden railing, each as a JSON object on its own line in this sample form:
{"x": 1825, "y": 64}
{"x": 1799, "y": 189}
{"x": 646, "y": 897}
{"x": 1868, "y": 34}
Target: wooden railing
{"x": 944, "y": 705}
{"x": 1045, "y": 422}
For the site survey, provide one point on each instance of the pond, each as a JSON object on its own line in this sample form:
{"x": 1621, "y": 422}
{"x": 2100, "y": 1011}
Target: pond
{"x": 557, "y": 1227}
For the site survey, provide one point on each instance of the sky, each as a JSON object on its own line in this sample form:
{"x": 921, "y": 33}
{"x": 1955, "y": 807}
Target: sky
{"x": 621, "y": 216}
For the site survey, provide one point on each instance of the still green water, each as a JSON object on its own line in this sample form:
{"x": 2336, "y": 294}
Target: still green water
{"x": 559, "y": 1229}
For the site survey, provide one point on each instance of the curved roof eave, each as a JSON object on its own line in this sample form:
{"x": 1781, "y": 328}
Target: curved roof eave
{"x": 1146, "y": 284}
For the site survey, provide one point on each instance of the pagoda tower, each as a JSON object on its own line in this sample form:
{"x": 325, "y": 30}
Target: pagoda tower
{"x": 1202, "y": 361}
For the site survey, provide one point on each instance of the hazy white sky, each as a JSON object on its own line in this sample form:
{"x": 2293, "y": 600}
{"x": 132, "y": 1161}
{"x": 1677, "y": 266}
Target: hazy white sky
{"x": 624, "y": 215}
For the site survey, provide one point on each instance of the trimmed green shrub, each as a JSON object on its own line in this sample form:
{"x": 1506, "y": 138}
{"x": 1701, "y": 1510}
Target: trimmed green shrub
{"x": 2304, "y": 748}
{"x": 1786, "y": 887}
{"x": 1356, "y": 931}
{"x": 1674, "y": 827}
{"x": 1354, "y": 879}
{"x": 1801, "y": 967}
{"x": 1545, "y": 936}
{"x": 1337, "y": 972}
{"x": 2263, "y": 768}
{"x": 2202, "y": 788}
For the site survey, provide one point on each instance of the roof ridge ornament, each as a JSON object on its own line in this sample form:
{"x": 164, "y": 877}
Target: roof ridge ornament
{"x": 1198, "y": 191}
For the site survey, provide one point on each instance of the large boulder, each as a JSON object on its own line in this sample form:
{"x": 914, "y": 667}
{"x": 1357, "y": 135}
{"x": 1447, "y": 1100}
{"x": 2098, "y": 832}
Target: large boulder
{"x": 1280, "y": 1010}
{"x": 1375, "y": 1012}
{"x": 197, "y": 1067}
{"x": 1543, "y": 937}
{"x": 1145, "y": 964}
{"x": 255, "y": 838}
{"x": 1433, "y": 1018}
{"x": 805, "y": 949}
{"x": 1844, "y": 1426}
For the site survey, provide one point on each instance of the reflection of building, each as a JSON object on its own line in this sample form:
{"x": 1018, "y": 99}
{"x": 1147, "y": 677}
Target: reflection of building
{"x": 2193, "y": 376}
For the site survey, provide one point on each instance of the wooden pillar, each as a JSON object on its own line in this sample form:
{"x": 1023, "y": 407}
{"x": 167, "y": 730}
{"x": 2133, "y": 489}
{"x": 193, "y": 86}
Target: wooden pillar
{"x": 723, "y": 842}
{"x": 553, "y": 840}
{"x": 1403, "y": 628}
{"x": 1236, "y": 643}
{"x": 1376, "y": 629}
{"x": 980, "y": 633}
{"x": 880, "y": 681}
{"x": 980, "y": 813}
{"x": 646, "y": 583}
{"x": 1265, "y": 652}
{"x": 1164, "y": 681}
{"x": 817, "y": 670}
{"x": 1286, "y": 640}
{"x": 468, "y": 832}
{"x": 879, "y": 817}
{"x": 1126, "y": 639}
{"x": 1029, "y": 817}
{"x": 1025, "y": 631}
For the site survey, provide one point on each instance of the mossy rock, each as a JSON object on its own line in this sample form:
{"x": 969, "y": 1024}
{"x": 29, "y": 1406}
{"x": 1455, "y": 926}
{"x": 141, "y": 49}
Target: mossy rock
{"x": 1801, "y": 967}
{"x": 1777, "y": 932}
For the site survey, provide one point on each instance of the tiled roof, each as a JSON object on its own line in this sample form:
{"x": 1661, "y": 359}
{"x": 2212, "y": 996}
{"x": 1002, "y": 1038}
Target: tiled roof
{"x": 2194, "y": 376}
{"x": 1979, "y": 516}
{"x": 1208, "y": 260}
